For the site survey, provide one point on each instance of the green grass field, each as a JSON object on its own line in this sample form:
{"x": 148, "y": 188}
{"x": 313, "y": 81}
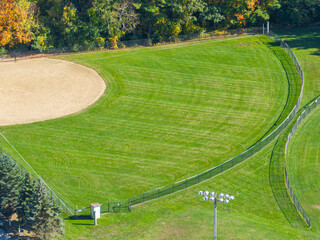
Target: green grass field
{"x": 303, "y": 165}
{"x": 278, "y": 183}
{"x": 168, "y": 113}
{"x": 302, "y": 157}
{"x": 254, "y": 214}
{"x": 305, "y": 43}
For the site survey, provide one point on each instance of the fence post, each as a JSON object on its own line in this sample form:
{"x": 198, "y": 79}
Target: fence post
{"x": 129, "y": 205}
{"x": 290, "y": 192}
{"x": 76, "y": 212}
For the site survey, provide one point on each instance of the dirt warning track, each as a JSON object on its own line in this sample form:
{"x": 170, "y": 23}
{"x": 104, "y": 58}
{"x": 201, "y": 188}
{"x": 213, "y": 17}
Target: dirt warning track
{"x": 41, "y": 89}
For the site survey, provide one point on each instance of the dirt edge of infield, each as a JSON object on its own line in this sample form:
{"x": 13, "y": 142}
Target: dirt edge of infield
{"x": 42, "y": 89}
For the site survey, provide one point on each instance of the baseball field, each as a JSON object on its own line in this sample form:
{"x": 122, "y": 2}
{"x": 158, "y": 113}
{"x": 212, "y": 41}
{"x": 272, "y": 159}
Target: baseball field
{"x": 104, "y": 126}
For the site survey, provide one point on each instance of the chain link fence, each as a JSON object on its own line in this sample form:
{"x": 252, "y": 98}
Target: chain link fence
{"x": 59, "y": 201}
{"x": 163, "y": 191}
{"x": 294, "y": 198}
{"x": 20, "y": 54}
{"x": 111, "y": 207}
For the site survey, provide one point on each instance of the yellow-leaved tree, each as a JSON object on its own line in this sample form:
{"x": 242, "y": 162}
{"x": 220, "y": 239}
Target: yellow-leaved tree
{"x": 16, "y": 22}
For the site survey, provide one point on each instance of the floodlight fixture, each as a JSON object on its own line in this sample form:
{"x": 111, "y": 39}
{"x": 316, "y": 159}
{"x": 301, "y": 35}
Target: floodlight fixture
{"x": 215, "y": 197}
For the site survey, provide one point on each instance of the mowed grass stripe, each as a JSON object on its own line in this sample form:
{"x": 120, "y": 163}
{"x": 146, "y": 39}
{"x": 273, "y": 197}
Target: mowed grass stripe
{"x": 136, "y": 139}
{"x": 87, "y": 56}
{"x": 305, "y": 44}
{"x": 303, "y": 165}
{"x": 254, "y": 214}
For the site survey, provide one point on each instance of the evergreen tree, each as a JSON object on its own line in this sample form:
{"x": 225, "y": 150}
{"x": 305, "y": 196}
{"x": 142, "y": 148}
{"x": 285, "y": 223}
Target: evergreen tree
{"x": 25, "y": 199}
{"x": 56, "y": 223}
{"x": 10, "y": 182}
{"x": 44, "y": 214}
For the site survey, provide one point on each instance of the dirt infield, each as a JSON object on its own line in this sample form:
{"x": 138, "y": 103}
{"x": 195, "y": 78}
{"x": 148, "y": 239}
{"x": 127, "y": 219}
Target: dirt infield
{"x": 41, "y": 89}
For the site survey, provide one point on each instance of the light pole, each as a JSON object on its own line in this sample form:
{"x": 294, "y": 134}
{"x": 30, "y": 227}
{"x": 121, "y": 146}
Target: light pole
{"x": 213, "y": 198}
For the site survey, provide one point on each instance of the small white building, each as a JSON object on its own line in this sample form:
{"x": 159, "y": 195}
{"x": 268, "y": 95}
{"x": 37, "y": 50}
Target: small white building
{"x": 95, "y": 210}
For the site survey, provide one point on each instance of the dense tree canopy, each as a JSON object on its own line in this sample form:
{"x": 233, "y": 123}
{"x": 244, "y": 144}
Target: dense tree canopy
{"x": 10, "y": 181}
{"x": 19, "y": 194}
{"x": 44, "y": 24}
{"x": 297, "y": 12}
{"x": 16, "y": 22}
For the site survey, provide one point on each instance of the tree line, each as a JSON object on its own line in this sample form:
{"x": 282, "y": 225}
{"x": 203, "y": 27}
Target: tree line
{"x": 28, "y": 199}
{"x": 45, "y": 24}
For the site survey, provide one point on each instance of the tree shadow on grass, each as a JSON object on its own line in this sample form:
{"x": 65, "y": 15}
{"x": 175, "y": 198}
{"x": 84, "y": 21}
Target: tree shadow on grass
{"x": 277, "y": 179}
{"x": 81, "y": 220}
{"x": 302, "y": 38}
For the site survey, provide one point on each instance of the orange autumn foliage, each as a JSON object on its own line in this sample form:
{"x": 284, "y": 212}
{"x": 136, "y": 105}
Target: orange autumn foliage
{"x": 114, "y": 42}
{"x": 240, "y": 9}
{"x": 251, "y": 4}
{"x": 14, "y": 24}
{"x": 239, "y": 16}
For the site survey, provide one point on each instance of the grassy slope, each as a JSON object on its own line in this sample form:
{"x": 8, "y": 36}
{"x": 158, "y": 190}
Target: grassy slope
{"x": 256, "y": 216}
{"x": 305, "y": 43}
{"x": 294, "y": 82}
{"x": 277, "y": 180}
{"x": 304, "y": 166}
{"x": 169, "y": 112}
